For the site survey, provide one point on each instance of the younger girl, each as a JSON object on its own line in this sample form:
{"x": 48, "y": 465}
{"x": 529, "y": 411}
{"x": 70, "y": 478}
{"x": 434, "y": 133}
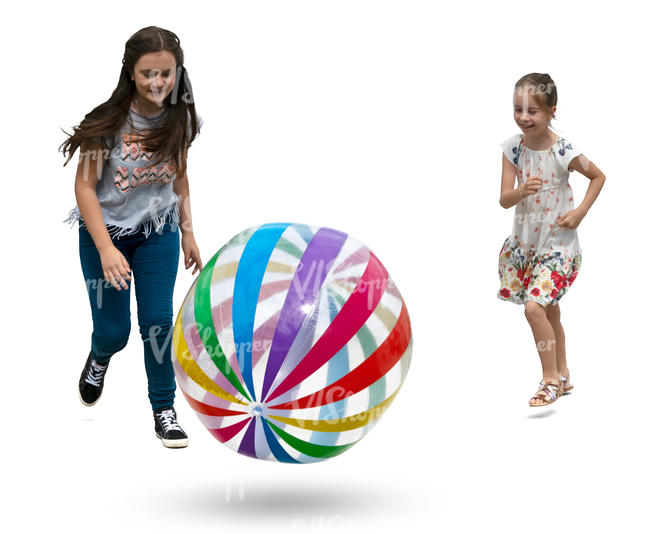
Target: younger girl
{"x": 541, "y": 258}
{"x": 130, "y": 182}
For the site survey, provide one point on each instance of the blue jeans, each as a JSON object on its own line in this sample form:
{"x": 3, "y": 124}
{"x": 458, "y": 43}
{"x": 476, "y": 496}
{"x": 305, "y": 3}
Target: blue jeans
{"x": 154, "y": 264}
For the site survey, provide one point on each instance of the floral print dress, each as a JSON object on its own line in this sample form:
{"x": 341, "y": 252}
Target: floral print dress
{"x": 540, "y": 260}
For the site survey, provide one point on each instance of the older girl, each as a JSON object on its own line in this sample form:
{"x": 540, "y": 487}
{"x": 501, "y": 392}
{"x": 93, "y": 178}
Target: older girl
{"x": 132, "y": 195}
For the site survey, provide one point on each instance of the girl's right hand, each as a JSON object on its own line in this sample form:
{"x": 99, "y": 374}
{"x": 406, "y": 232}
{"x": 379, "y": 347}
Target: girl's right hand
{"x": 115, "y": 267}
{"x": 531, "y": 186}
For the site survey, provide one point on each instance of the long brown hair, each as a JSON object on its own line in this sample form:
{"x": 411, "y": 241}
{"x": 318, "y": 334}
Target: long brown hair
{"x": 170, "y": 140}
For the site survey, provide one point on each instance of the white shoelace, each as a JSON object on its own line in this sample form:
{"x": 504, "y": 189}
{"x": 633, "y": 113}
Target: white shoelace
{"x": 168, "y": 420}
{"x": 96, "y": 373}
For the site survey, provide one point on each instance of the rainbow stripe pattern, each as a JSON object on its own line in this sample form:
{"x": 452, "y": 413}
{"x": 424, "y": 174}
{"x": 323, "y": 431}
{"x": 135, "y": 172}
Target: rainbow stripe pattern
{"x": 291, "y": 343}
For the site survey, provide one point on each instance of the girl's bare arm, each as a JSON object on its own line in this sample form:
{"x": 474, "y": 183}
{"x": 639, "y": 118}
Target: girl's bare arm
{"x": 181, "y": 187}
{"x": 182, "y": 190}
{"x": 511, "y": 196}
{"x": 596, "y": 180}
{"x": 91, "y": 164}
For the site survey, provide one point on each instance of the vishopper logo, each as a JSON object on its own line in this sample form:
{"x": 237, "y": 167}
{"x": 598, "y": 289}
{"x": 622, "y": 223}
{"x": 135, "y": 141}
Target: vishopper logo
{"x": 545, "y": 346}
{"x": 181, "y": 73}
{"x": 96, "y": 157}
{"x": 536, "y": 217}
{"x": 152, "y": 213}
{"x": 159, "y": 347}
{"x": 184, "y": 206}
{"x": 229, "y": 489}
{"x": 333, "y": 396}
{"x": 539, "y": 89}
{"x": 372, "y": 285}
{"x": 158, "y": 350}
{"x": 528, "y": 93}
{"x": 334, "y": 523}
{"x": 328, "y": 398}
{"x": 153, "y": 206}
{"x": 99, "y": 284}
{"x": 319, "y": 270}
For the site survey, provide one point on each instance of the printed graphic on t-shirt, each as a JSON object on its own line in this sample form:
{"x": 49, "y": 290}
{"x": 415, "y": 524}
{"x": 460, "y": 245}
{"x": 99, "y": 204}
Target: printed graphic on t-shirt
{"x": 129, "y": 177}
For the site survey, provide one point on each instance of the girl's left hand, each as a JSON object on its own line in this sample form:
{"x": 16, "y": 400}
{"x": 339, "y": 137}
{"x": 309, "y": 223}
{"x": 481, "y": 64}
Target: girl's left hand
{"x": 191, "y": 251}
{"x": 570, "y": 220}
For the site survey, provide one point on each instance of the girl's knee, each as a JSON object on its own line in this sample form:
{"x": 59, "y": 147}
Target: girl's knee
{"x": 115, "y": 338}
{"x": 157, "y": 329}
{"x": 553, "y": 313}
{"x": 533, "y": 310}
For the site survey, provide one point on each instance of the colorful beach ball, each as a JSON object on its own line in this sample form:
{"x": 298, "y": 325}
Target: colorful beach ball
{"x": 291, "y": 343}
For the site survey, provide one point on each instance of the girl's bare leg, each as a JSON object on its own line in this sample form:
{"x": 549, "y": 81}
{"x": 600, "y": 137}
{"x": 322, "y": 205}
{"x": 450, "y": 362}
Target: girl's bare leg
{"x": 544, "y": 341}
{"x": 553, "y": 315}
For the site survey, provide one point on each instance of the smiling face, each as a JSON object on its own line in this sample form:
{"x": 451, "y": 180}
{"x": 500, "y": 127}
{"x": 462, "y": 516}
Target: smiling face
{"x": 531, "y": 116}
{"x": 154, "y": 75}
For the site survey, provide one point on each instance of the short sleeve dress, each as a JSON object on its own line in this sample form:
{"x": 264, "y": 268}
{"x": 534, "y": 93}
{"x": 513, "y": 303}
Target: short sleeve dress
{"x": 540, "y": 260}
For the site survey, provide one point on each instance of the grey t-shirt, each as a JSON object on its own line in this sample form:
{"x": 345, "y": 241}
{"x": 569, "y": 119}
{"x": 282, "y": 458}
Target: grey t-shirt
{"x": 134, "y": 198}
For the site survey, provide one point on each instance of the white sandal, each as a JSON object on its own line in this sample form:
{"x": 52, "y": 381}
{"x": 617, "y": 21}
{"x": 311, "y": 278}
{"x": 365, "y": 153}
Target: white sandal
{"x": 548, "y": 393}
{"x": 566, "y": 385}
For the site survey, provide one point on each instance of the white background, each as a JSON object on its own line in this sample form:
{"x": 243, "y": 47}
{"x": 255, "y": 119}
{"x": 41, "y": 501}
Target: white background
{"x": 381, "y": 119}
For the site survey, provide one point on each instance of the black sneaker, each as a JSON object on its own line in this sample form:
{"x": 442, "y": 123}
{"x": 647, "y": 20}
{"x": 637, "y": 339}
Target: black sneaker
{"x": 168, "y": 429}
{"x": 91, "y": 382}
